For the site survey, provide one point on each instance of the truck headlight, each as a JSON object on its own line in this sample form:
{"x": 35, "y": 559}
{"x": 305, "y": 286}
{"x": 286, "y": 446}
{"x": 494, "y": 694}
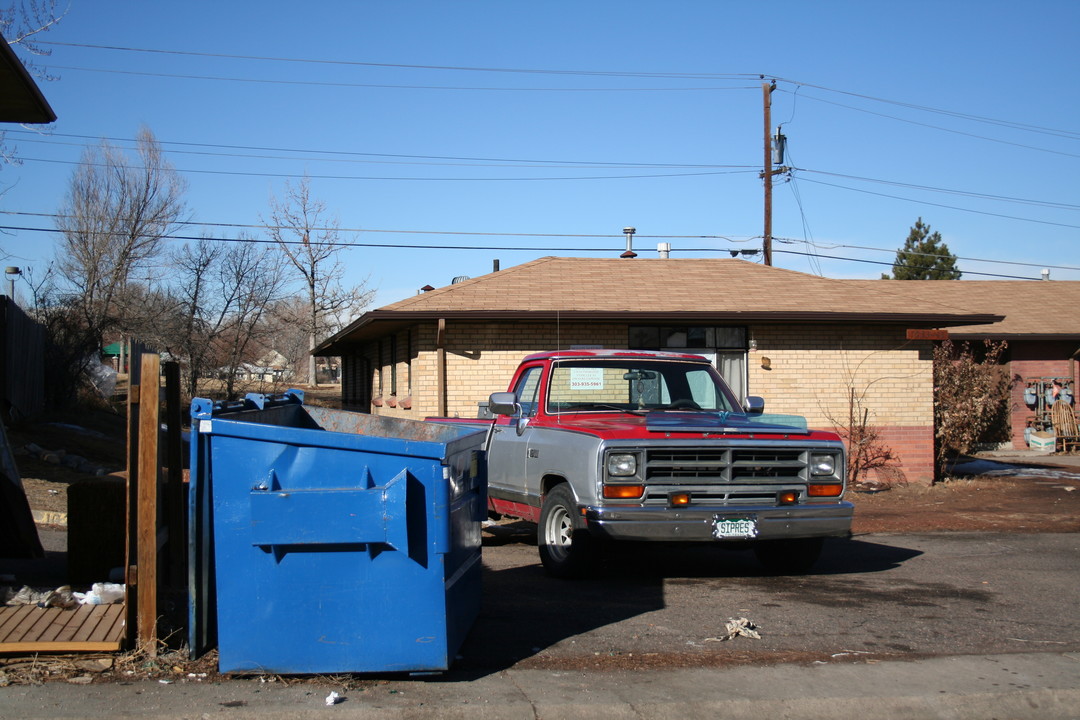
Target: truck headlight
{"x": 822, "y": 464}
{"x": 621, "y": 464}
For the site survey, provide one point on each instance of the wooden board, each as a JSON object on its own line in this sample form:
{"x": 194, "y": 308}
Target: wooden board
{"x": 87, "y": 628}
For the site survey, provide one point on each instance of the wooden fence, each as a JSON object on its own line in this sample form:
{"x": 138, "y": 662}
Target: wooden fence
{"x": 22, "y": 361}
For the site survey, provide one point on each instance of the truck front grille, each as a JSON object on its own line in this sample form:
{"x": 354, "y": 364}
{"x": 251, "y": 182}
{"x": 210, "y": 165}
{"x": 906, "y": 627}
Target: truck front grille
{"x": 696, "y": 466}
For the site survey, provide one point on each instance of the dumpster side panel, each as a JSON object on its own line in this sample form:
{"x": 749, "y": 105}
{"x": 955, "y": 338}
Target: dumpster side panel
{"x": 293, "y": 607}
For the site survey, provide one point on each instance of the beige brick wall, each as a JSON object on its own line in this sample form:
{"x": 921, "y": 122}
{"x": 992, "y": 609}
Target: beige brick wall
{"x": 480, "y": 359}
{"x": 811, "y": 368}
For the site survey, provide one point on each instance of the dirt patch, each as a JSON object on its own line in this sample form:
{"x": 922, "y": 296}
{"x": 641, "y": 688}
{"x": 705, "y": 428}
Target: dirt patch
{"x": 1034, "y": 499}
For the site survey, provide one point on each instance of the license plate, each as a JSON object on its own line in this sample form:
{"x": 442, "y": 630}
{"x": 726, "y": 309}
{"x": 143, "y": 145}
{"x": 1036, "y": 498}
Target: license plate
{"x": 726, "y": 528}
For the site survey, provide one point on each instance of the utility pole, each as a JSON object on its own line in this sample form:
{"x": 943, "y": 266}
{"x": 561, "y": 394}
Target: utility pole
{"x": 767, "y": 175}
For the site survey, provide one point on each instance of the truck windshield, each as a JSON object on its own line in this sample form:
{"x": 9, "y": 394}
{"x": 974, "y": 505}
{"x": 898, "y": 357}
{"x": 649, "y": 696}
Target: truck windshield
{"x": 630, "y": 385}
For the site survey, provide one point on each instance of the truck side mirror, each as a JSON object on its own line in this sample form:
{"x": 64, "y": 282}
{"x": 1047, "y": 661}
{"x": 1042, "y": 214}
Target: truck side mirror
{"x": 503, "y": 403}
{"x": 754, "y": 405}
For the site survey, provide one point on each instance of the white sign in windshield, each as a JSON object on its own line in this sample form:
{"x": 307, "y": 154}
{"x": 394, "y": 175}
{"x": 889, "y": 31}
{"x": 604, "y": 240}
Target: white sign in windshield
{"x": 586, "y": 378}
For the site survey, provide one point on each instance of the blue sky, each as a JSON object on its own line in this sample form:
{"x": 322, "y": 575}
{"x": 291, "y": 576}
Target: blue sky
{"x": 521, "y": 130}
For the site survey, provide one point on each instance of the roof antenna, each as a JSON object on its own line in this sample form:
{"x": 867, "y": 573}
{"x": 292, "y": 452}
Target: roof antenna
{"x": 629, "y": 231}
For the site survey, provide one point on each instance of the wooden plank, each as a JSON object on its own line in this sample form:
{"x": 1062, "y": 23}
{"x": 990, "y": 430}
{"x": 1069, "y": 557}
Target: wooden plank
{"x": 147, "y": 510}
{"x": 72, "y": 628}
{"x": 23, "y": 648}
{"x": 92, "y": 617}
{"x": 57, "y": 626}
{"x": 37, "y": 623}
{"x": 13, "y": 617}
{"x": 131, "y": 575}
{"x": 88, "y": 628}
{"x": 107, "y": 625}
{"x": 10, "y": 619}
{"x": 175, "y": 519}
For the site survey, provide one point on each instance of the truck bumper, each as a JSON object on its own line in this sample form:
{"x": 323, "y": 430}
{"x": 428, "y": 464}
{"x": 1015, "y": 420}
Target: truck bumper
{"x": 773, "y": 523}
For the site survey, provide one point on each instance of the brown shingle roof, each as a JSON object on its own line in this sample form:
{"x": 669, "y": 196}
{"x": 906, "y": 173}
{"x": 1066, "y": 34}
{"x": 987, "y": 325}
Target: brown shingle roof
{"x": 714, "y": 290}
{"x": 1034, "y": 309}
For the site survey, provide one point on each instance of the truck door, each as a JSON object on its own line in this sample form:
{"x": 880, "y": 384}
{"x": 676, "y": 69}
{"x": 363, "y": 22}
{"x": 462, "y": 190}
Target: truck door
{"x": 509, "y": 443}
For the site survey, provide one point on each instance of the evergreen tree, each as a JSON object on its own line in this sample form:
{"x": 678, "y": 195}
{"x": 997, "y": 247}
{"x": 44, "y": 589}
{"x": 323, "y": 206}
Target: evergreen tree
{"x": 924, "y": 257}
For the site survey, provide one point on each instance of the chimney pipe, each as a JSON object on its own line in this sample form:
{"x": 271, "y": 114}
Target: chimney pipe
{"x": 629, "y": 231}
{"x": 664, "y": 249}
{"x": 1046, "y": 274}
{"x": 495, "y": 265}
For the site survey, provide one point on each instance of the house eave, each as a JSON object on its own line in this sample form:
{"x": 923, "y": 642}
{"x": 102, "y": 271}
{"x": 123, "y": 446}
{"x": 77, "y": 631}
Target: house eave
{"x": 377, "y": 323}
{"x": 23, "y": 101}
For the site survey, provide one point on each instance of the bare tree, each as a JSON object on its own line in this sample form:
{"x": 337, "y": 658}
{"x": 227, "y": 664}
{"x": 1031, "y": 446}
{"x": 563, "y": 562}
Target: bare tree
{"x": 113, "y": 221}
{"x": 226, "y": 293}
{"x": 286, "y": 323}
{"x": 310, "y": 241}
{"x": 253, "y": 272}
{"x": 21, "y": 21}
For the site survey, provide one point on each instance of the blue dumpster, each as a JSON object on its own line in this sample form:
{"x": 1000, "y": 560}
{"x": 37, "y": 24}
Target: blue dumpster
{"x": 332, "y": 541}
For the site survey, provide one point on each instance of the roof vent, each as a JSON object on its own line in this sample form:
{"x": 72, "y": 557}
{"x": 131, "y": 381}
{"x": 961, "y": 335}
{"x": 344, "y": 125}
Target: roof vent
{"x": 664, "y": 249}
{"x": 1046, "y": 274}
{"x": 426, "y": 288}
{"x": 460, "y": 278}
{"x": 629, "y": 231}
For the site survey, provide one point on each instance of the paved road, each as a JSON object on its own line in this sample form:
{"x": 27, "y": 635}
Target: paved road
{"x": 935, "y": 625}
{"x": 976, "y": 687}
{"x": 879, "y": 596}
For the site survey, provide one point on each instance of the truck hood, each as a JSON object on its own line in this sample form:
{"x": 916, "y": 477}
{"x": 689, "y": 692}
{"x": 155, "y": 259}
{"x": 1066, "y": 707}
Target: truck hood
{"x": 667, "y": 424}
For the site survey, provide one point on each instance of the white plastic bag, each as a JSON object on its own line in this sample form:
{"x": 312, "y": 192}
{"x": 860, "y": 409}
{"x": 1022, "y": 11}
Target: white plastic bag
{"x": 102, "y": 594}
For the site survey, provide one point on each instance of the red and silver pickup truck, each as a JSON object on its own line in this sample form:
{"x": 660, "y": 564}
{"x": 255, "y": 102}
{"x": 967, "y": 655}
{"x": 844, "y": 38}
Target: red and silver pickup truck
{"x": 596, "y": 445}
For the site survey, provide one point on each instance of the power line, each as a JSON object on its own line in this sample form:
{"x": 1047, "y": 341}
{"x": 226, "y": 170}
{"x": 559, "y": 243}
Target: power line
{"x": 241, "y": 173}
{"x": 458, "y": 68}
{"x": 505, "y": 248}
{"x": 391, "y": 86}
{"x": 942, "y": 205}
{"x": 1055, "y": 151}
{"x": 935, "y": 255}
{"x": 502, "y": 162}
{"x": 951, "y": 113}
{"x": 583, "y": 73}
{"x": 399, "y": 246}
{"x": 529, "y": 248}
{"x": 57, "y": 216}
{"x": 948, "y": 191}
{"x": 561, "y": 164}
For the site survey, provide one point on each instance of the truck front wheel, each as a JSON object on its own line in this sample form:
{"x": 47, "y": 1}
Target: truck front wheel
{"x": 565, "y": 547}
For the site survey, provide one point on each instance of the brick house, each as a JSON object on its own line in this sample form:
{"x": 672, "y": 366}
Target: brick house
{"x": 799, "y": 340}
{"x": 1041, "y": 325}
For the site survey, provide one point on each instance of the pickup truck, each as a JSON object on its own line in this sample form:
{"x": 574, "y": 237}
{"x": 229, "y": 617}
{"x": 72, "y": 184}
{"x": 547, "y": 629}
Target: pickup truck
{"x": 612, "y": 445}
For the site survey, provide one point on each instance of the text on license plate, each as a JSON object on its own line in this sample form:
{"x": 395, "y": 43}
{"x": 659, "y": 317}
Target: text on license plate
{"x": 724, "y": 528}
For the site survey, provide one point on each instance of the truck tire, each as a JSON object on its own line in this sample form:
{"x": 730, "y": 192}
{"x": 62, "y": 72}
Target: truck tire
{"x": 788, "y": 557}
{"x": 566, "y": 549}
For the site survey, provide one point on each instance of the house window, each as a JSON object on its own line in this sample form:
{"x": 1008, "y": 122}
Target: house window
{"x": 726, "y": 347}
